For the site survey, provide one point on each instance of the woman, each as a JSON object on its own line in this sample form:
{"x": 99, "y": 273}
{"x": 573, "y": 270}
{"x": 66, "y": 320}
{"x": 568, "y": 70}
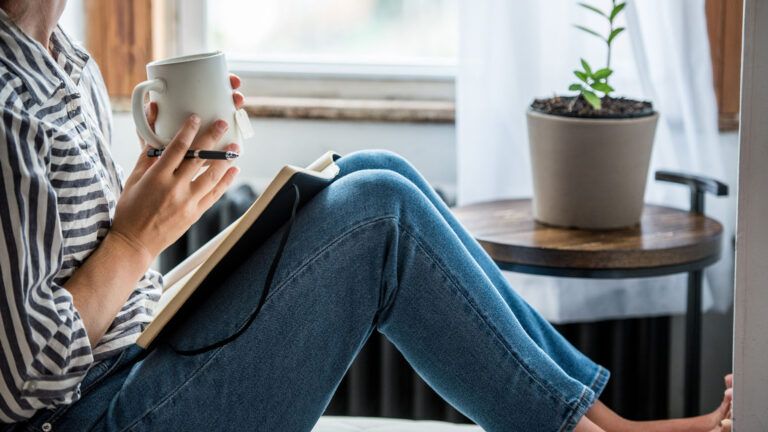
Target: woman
{"x": 375, "y": 250}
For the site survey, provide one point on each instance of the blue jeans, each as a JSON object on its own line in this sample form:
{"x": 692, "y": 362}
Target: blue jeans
{"x": 376, "y": 250}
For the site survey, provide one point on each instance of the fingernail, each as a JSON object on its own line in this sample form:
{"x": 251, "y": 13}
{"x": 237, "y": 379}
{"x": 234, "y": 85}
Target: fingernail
{"x": 195, "y": 118}
{"x": 221, "y": 125}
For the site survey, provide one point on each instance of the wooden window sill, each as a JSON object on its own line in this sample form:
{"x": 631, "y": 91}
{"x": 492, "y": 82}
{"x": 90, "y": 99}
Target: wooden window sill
{"x": 416, "y": 111}
{"x": 369, "y": 110}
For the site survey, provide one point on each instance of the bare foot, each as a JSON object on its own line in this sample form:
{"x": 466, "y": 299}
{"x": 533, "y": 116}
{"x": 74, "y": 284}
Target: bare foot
{"x": 712, "y": 422}
{"x": 716, "y": 421}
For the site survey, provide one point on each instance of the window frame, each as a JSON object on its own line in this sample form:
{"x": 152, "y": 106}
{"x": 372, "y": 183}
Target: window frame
{"x": 120, "y": 33}
{"x": 724, "y": 25}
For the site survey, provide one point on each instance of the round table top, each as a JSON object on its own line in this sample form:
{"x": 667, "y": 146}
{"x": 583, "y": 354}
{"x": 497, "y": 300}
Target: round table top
{"x": 666, "y": 241}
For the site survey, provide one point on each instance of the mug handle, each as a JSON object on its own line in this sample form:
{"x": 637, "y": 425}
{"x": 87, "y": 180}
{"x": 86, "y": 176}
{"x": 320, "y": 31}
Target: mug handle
{"x": 140, "y": 118}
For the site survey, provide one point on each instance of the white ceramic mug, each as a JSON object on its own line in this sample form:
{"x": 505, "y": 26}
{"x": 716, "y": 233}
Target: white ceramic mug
{"x": 182, "y": 86}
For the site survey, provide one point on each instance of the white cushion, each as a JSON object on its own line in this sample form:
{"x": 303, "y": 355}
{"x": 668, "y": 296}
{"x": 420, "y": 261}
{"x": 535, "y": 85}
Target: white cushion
{"x": 361, "y": 424}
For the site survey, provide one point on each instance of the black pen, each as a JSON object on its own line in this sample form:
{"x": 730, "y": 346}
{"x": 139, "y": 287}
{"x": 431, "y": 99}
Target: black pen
{"x": 199, "y": 154}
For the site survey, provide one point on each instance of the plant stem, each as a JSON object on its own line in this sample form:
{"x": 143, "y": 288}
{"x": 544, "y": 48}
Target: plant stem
{"x": 573, "y": 102}
{"x": 610, "y": 31}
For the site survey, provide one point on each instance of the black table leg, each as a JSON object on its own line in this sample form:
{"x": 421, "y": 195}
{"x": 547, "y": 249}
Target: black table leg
{"x": 693, "y": 344}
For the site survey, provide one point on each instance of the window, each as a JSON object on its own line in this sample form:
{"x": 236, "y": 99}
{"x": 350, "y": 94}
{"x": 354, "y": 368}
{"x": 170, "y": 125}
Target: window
{"x": 363, "y": 32}
{"x": 331, "y": 49}
{"x": 385, "y": 60}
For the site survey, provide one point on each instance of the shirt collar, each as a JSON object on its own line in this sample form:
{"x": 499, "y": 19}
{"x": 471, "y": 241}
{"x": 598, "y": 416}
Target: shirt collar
{"x": 63, "y": 45}
{"x": 30, "y": 60}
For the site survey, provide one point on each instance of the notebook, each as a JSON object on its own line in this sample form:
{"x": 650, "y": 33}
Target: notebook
{"x": 221, "y": 254}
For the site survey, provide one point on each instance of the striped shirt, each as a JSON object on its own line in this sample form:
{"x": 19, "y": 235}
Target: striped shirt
{"x": 58, "y": 190}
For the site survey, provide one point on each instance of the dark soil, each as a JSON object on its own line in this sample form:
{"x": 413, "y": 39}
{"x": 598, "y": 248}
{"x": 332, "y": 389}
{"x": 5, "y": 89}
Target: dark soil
{"x": 617, "y": 108}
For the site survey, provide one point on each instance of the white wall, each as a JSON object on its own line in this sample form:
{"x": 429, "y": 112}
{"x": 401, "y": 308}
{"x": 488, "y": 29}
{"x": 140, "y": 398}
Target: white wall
{"x": 430, "y": 147}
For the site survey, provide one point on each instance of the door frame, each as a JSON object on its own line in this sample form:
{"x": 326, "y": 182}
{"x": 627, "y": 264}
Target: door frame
{"x": 750, "y": 350}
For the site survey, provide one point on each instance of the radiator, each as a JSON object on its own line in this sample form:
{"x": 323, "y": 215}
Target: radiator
{"x": 380, "y": 383}
{"x": 636, "y": 351}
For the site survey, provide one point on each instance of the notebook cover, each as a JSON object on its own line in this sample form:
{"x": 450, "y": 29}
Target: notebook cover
{"x": 187, "y": 335}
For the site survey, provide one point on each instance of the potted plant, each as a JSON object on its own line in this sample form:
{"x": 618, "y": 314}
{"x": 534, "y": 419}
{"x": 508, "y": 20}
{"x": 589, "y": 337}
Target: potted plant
{"x": 590, "y": 152}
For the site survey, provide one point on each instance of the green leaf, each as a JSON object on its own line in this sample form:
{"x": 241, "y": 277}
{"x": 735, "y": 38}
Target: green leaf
{"x": 619, "y": 7}
{"x": 615, "y": 33}
{"x": 602, "y": 87}
{"x": 586, "y": 67}
{"x": 575, "y": 87}
{"x": 581, "y": 75}
{"x": 602, "y": 74}
{"x": 592, "y": 99}
{"x": 590, "y": 31}
{"x": 593, "y": 9}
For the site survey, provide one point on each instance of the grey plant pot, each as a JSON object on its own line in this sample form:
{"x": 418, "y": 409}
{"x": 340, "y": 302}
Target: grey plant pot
{"x": 589, "y": 173}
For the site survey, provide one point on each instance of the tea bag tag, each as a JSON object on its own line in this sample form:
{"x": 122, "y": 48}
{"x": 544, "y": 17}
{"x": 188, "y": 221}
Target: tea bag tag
{"x": 244, "y": 124}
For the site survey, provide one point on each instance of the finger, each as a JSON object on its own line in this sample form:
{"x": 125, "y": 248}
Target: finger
{"x": 219, "y": 188}
{"x": 239, "y": 99}
{"x": 729, "y": 394}
{"x": 729, "y": 381}
{"x": 205, "y": 181}
{"x": 173, "y": 155}
{"x": 206, "y": 163}
{"x": 234, "y": 81}
{"x": 143, "y": 163}
{"x": 150, "y": 111}
{"x": 204, "y": 141}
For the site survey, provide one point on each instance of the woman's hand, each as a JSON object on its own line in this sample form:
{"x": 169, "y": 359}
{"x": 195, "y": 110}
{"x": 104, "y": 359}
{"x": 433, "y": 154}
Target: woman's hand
{"x": 162, "y": 197}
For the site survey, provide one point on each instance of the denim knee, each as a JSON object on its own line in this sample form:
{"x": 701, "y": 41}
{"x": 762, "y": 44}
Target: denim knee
{"x": 383, "y": 189}
{"x": 377, "y": 159}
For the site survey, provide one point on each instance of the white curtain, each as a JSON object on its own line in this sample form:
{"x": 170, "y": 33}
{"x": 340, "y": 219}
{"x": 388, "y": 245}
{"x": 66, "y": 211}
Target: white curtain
{"x": 514, "y": 51}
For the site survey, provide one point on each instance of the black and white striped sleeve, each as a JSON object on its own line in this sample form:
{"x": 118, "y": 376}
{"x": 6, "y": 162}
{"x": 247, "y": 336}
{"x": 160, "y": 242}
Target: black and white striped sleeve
{"x": 44, "y": 342}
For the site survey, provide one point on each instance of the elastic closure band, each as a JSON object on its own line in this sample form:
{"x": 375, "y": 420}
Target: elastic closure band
{"x": 264, "y": 293}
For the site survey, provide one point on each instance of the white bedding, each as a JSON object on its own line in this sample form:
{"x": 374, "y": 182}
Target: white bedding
{"x": 359, "y": 424}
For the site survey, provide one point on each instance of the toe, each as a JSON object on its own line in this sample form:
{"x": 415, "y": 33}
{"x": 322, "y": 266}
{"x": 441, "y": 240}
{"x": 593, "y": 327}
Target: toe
{"x": 726, "y": 425}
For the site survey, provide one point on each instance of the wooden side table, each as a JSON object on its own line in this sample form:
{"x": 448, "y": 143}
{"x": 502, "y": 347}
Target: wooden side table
{"x": 667, "y": 241}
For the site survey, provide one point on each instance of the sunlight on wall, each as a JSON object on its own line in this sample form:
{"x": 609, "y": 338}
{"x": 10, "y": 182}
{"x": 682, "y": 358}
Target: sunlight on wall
{"x": 376, "y": 31}
{"x": 73, "y": 20}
